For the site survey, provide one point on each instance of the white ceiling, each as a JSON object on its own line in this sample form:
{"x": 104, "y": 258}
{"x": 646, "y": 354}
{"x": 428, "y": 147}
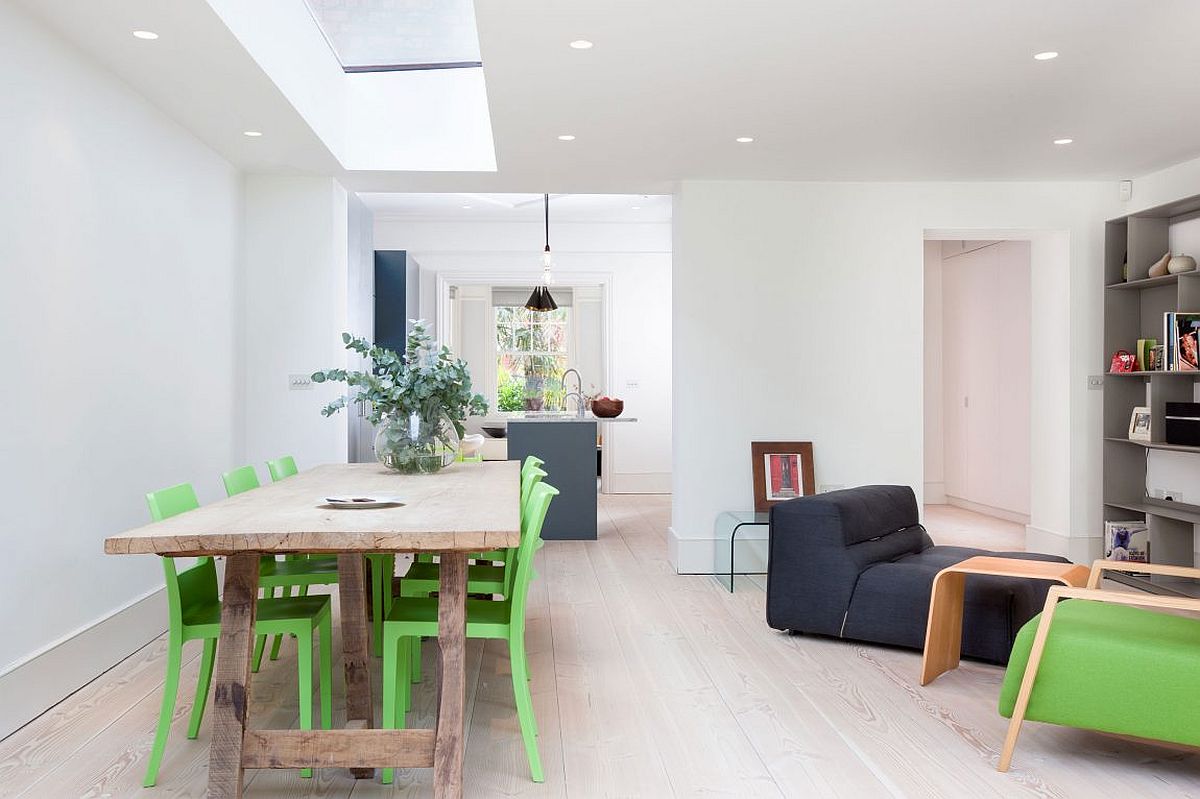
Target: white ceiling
{"x": 468, "y": 207}
{"x": 829, "y": 89}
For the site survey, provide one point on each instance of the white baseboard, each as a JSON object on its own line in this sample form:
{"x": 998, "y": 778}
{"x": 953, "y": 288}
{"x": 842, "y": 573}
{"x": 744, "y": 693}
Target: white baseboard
{"x": 987, "y": 510}
{"x": 1077, "y": 549}
{"x": 33, "y": 685}
{"x": 639, "y": 483}
{"x": 935, "y": 493}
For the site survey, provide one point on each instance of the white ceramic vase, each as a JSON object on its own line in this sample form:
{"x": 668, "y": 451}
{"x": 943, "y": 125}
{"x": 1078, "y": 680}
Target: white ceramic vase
{"x": 1181, "y": 263}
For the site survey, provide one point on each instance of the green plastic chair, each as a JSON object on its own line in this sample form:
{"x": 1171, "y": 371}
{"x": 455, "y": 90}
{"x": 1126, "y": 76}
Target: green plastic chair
{"x": 288, "y": 577}
{"x": 413, "y": 617}
{"x": 383, "y": 566}
{"x": 1116, "y": 662}
{"x": 194, "y": 613}
{"x": 422, "y": 577}
{"x": 282, "y": 467}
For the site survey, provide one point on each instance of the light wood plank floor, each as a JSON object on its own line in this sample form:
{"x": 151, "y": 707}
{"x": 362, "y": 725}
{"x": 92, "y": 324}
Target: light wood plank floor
{"x": 950, "y": 524}
{"x": 646, "y": 684}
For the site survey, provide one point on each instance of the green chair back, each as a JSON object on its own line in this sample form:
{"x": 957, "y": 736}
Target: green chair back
{"x": 282, "y": 467}
{"x": 531, "y": 462}
{"x": 240, "y": 480}
{"x": 529, "y": 478}
{"x": 191, "y": 587}
{"x": 168, "y": 502}
{"x": 531, "y": 532}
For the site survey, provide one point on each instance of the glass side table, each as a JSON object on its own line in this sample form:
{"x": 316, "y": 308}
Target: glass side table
{"x": 735, "y": 520}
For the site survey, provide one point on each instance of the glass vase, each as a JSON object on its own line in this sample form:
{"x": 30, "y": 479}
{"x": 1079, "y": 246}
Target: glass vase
{"x": 416, "y": 444}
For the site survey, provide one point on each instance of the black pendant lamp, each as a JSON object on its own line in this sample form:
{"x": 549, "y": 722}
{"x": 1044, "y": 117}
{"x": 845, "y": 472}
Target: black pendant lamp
{"x": 540, "y": 299}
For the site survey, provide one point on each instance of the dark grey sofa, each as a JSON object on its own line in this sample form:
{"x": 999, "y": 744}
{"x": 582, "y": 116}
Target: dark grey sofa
{"x": 858, "y": 564}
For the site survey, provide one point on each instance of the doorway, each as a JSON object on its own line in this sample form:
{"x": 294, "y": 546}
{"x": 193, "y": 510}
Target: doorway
{"x": 978, "y": 355}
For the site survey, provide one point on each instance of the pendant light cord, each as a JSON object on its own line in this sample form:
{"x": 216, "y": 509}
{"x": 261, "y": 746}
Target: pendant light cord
{"x": 546, "y": 205}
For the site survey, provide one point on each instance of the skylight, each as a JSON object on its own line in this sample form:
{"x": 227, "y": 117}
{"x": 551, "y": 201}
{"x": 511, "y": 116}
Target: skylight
{"x": 393, "y": 35}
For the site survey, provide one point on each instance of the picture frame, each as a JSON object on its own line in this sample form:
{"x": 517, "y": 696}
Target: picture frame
{"x": 782, "y": 470}
{"x": 1139, "y": 424}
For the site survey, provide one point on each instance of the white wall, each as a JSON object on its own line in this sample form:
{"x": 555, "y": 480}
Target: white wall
{"x": 296, "y": 280}
{"x": 799, "y": 317}
{"x": 636, "y": 260}
{"x": 119, "y": 240}
{"x": 985, "y": 387}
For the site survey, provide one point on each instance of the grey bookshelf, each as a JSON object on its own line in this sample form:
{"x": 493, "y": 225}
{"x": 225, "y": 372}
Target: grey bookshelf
{"x": 1134, "y": 309}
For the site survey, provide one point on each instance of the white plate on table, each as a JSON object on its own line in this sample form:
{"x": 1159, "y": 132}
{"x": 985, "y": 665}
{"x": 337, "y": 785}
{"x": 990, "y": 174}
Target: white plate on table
{"x": 362, "y": 501}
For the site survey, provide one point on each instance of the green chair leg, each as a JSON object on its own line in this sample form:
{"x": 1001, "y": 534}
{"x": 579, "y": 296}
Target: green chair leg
{"x": 304, "y": 665}
{"x": 325, "y": 653}
{"x": 516, "y": 652}
{"x": 415, "y": 657}
{"x": 260, "y": 643}
{"x": 166, "y": 712}
{"x": 376, "y": 604}
{"x": 202, "y": 683}
{"x": 395, "y": 685}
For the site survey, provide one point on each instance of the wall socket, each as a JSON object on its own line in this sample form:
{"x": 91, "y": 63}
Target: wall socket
{"x": 1095, "y": 382}
{"x": 1166, "y": 494}
{"x": 299, "y": 383}
{"x": 825, "y": 488}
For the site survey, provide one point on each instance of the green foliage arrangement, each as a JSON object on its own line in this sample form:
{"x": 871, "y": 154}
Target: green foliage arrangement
{"x": 424, "y": 380}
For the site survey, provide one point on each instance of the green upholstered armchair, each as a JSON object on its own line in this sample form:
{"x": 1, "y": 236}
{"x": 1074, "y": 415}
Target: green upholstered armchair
{"x": 1110, "y": 661}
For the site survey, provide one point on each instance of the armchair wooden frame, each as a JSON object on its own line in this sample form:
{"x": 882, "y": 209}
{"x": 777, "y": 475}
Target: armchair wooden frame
{"x": 1093, "y": 593}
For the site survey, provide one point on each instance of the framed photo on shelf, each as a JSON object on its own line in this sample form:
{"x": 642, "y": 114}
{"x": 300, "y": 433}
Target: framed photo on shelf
{"x": 783, "y": 470}
{"x": 1139, "y": 424}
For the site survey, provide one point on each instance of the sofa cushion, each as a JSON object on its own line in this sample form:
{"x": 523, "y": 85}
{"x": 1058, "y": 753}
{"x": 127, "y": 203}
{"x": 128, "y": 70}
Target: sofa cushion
{"x": 1113, "y": 668}
{"x": 890, "y": 604}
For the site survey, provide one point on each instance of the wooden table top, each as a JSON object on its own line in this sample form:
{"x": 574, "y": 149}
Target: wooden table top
{"x": 465, "y": 507}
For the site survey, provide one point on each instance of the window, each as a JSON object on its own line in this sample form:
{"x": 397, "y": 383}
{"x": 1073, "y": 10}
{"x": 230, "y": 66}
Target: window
{"x": 531, "y": 355}
{"x": 392, "y": 35}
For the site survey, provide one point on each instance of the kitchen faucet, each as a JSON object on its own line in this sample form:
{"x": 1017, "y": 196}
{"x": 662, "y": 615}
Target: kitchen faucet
{"x": 581, "y": 408}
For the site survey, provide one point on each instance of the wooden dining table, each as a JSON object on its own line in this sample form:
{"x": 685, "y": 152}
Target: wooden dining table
{"x": 466, "y": 507}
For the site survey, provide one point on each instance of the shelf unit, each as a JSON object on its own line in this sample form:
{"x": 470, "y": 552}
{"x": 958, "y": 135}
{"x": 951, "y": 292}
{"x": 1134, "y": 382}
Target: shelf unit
{"x": 1134, "y": 309}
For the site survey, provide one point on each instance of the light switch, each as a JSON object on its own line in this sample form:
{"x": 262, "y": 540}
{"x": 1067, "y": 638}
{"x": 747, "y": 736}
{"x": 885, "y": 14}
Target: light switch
{"x": 299, "y": 383}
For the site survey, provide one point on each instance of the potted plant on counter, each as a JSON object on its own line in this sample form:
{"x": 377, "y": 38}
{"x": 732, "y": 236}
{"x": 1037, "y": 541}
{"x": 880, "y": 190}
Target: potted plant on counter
{"x": 417, "y": 400}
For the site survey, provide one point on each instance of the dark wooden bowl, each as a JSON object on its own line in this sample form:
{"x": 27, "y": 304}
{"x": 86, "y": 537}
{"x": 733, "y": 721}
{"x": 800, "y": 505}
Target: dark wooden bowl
{"x": 495, "y": 432}
{"x": 608, "y": 408}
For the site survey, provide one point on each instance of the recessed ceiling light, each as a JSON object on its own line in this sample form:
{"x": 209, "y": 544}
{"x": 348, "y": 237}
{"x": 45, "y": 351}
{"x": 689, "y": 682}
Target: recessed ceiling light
{"x": 566, "y": 137}
{"x": 148, "y": 35}
{"x": 1063, "y": 141}
{"x": 636, "y": 207}
{"x": 581, "y": 44}
{"x": 1046, "y": 56}
{"x": 744, "y": 139}
{"x": 467, "y": 207}
{"x": 254, "y": 134}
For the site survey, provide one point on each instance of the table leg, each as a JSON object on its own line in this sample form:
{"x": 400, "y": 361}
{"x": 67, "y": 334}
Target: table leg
{"x": 231, "y": 698}
{"x": 943, "y": 632}
{"x": 355, "y": 648}
{"x": 452, "y": 683}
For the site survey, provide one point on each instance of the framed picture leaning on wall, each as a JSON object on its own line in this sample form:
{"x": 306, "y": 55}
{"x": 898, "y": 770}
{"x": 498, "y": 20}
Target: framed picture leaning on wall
{"x": 783, "y": 470}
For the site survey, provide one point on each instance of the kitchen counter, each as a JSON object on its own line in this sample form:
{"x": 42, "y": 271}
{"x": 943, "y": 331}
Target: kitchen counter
{"x": 568, "y": 446}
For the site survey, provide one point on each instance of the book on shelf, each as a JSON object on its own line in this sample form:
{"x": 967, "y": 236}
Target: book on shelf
{"x": 1181, "y": 334}
{"x": 1145, "y": 354}
{"x": 1127, "y": 541}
